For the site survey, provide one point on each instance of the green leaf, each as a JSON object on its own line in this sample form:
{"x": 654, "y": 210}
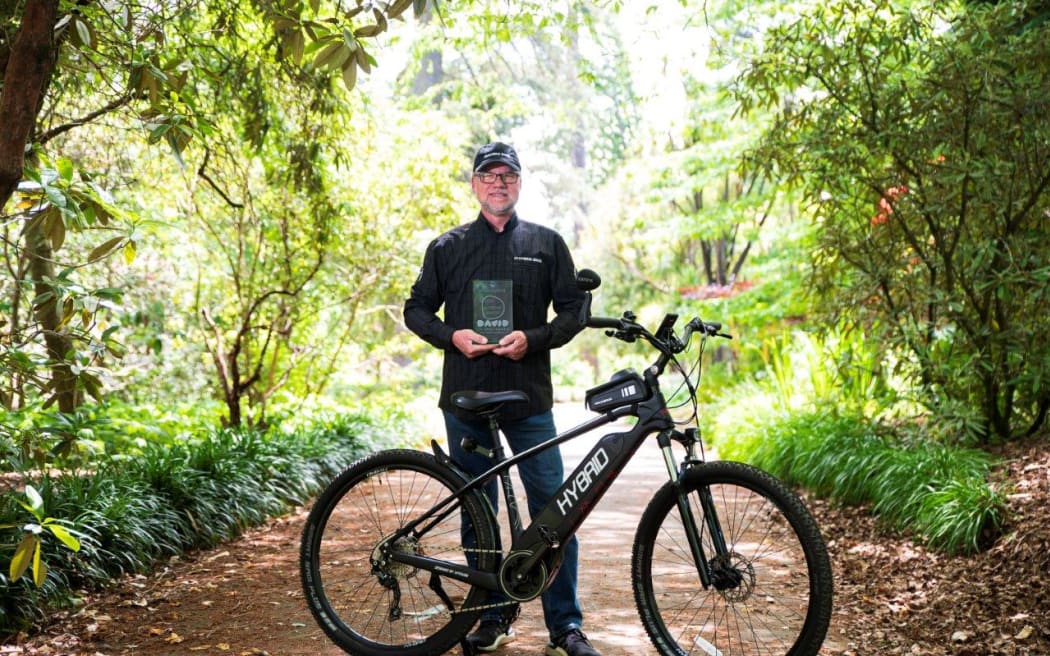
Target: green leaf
{"x": 157, "y": 131}
{"x": 65, "y": 168}
{"x": 367, "y": 31}
{"x": 23, "y": 556}
{"x": 57, "y": 198}
{"x": 398, "y": 8}
{"x": 380, "y": 19}
{"x": 35, "y": 500}
{"x": 332, "y": 56}
{"x": 350, "y": 40}
{"x": 56, "y": 229}
{"x": 92, "y": 385}
{"x": 39, "y": 567}
{"x": 62, "y": 23}
{"x": 34, "y": 223}
{"x": 129, "y": 252}
{"x": 294, "y": 44}
{"x": 284, "y": 23}
{"x": 85, "y": 34}
{"x": 364, "y": 60}
{"x": 350, "y": 75}
{"x": 41, "y": 299}
{"x": 298, "y": 46}
{"x": 104, "y": 249}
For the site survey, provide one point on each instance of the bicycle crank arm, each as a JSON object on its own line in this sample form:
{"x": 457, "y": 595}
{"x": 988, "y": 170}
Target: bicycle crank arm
{"x": 481, "y": 579}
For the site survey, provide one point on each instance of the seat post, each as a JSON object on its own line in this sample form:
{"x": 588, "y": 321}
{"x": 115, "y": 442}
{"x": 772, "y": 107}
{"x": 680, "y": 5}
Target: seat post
{"x": 498, "y": 454}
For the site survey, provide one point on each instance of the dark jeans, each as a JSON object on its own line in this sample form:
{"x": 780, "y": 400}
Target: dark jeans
{"x": 541, "y": 475}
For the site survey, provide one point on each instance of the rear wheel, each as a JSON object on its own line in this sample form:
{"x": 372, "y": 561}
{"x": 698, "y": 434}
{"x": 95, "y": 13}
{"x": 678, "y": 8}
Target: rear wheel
{"x": 771, "y": 593}
{"x": 369, "y": 604}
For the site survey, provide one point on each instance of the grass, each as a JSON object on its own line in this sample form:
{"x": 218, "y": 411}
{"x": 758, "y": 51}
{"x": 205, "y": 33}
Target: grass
{"x": 939, "y": 492}
{"x": 805, "y": 422}
{"x": 171, "y": 497}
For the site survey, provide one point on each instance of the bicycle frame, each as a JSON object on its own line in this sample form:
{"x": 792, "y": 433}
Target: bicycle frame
{"x": 576, "y": 498}
{"x": 764, "y": 585}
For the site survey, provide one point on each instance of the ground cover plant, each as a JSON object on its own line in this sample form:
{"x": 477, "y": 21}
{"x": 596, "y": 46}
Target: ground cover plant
{"x": 128, "y": 513}
{"x": 836, "y": 436}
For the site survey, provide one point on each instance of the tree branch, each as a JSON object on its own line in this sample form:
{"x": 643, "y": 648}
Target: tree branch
{"x": 66, "y": 127}
{"x": 211, "y": 183}
{"x": 639, "y": 274}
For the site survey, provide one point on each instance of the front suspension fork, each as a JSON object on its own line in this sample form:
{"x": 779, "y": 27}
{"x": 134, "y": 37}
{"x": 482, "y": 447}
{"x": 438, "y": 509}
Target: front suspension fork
{"x": 685, "y": 509}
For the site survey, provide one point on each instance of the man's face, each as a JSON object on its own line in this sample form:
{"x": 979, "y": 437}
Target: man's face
{"x": 497, "y": 197}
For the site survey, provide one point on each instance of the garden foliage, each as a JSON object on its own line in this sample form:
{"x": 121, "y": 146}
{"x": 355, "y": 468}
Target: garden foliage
{"x": 917, "y": 132}
{"x": 129, "y": 513}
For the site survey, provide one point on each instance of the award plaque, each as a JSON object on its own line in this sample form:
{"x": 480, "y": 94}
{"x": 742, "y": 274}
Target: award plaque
{"x": 493, "y": 308}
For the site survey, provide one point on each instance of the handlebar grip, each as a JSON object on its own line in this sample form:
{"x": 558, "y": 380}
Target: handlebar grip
{"x": 604, "y": 322}
{"x": 707, "y": 328}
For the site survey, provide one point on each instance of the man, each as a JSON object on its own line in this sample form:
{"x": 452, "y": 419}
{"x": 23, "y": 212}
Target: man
{"x": 494, "y": 275}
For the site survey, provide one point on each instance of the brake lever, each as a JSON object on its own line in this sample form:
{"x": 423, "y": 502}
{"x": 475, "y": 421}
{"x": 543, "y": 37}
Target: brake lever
{"x": 625, "y": 336}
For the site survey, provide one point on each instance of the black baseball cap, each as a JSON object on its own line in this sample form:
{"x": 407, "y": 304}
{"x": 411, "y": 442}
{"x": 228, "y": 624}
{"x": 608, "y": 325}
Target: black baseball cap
{"x": 496, "y": 153}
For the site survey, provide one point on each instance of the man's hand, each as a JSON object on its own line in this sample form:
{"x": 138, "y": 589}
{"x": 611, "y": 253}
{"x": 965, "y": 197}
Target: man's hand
{"x": 513, "y": 346}
{"x": 471, "y": 344}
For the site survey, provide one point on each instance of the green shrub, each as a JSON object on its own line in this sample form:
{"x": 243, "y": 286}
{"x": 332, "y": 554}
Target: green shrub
{"x": 133, "y": 511}
{"x": 938, "y": 491}
{"x": 803, "y": 422}
{"x": 961, "y": 516}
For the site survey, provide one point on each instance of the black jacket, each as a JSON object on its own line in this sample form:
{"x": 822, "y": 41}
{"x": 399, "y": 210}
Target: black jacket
{"x": 540, "y": 265}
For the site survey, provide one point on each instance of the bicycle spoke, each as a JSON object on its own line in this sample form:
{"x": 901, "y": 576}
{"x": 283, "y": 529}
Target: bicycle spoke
{"x": 759, "y": 603}
{"x": 362, "y": 595}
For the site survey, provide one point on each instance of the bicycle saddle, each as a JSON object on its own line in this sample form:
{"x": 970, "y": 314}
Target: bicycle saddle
{"x": 476, "y": 401}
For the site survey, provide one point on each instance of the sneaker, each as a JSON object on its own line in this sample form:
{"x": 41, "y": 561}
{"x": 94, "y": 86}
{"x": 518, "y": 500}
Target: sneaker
{"x": 571, "y": 643}
{"x": 491, "y": 634}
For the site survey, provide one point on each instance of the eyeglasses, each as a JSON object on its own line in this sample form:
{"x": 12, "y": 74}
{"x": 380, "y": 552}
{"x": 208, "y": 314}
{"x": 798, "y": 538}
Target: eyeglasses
{"x": 507, "y": 178}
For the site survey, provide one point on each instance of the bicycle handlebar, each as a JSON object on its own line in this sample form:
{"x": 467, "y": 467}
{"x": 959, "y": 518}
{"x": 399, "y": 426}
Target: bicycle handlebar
{"x": 605, "y": 322}
{"x": 627, "y": 329}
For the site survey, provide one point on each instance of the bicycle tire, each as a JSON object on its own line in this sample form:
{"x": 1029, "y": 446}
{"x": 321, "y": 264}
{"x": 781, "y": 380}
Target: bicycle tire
{"x": 363, "y": 505}
{"x": 781, "y": 605}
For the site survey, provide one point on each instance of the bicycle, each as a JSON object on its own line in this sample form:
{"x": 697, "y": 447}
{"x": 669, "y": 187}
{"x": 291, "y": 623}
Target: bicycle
{"x": 726, "y": 559}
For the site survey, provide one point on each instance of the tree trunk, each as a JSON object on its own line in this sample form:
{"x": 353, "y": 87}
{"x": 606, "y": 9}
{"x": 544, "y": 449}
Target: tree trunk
{"x": 431, "y": 72}
{"x": 25, "y": 79}
{"x": 49, "y": 316}
{"x": 431, "y": 68}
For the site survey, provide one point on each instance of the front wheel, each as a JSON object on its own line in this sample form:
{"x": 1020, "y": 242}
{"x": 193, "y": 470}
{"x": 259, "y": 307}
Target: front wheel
{"x": 771, "y": 591}
{"x": 370, "y": 604}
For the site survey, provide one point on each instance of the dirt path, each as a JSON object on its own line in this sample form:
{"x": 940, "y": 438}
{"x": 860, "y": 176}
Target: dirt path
{"x": 892, "y": 597}
{"x": 244, "y": 598}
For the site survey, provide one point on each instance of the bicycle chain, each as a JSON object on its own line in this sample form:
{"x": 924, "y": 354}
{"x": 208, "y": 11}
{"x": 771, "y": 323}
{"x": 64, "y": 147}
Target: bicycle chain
{"x": 438, "y": 548}
{"x": 482, "y": 607}
{"x": 472, "y": 609}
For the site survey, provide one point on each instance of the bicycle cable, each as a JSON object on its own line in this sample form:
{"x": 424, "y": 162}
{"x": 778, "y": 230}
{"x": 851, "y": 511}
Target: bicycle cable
{"x": 687, "y": 382}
